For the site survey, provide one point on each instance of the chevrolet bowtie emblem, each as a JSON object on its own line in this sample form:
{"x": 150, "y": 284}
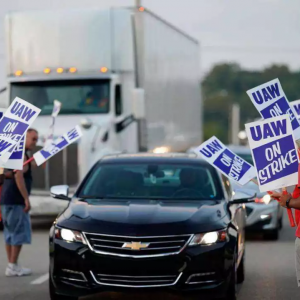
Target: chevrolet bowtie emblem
{"x": 135, "y": 246}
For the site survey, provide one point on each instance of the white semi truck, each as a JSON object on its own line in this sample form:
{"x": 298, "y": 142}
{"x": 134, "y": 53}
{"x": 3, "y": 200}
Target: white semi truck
{"x": 128, "y": 77}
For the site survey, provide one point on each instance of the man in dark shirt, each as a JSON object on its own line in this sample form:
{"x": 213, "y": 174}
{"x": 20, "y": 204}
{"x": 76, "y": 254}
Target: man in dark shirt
{"x": 15, "y": 207}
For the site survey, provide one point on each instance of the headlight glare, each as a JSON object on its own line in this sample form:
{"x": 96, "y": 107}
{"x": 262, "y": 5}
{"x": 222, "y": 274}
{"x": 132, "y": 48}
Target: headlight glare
{"x": 69, "y": 235}
{"x": 209, "y": 238}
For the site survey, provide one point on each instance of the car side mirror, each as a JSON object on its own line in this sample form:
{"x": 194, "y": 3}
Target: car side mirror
{"x": 241, "y": 196}
{"x": 138, "y": 103}
{"x": 60, "y": 192}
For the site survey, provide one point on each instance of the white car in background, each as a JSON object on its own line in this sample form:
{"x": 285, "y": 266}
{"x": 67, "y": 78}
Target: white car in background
{"x": 265, "y": 215}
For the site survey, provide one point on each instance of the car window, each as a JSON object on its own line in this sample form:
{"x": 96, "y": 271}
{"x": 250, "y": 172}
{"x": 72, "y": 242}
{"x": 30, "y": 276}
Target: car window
{"x": 152, "y": 181}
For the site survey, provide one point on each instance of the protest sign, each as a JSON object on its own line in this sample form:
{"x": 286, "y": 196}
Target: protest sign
{"x": 274, "y": 152}
{"x": 15, "y": 122}
{"x": 296, "y": 106}
{"x": 62, "y": 142}
{"x": 228, "y": 163}
{"x": 16, "y": 159}
{"x": 271, "y": 101}
{"x": 55, "y": 112}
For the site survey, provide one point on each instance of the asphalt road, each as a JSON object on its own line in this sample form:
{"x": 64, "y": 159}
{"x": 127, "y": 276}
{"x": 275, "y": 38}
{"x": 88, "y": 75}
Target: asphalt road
{"x": 270, "y": 270}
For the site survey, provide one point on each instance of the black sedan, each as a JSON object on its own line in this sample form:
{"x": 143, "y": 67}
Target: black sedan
{"x": 167, "y": 224}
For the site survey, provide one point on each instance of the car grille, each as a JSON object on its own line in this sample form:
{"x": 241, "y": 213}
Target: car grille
{"x": 136, "y": 281}
{"x": 137, "y": 247}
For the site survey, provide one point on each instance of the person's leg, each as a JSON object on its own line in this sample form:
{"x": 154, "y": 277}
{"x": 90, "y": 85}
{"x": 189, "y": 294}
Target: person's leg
{"x": 15, "y": 252}
{"x": 19, "y": 236}
{"x": 6, "y": 212}
{"x": 8, "y": 252}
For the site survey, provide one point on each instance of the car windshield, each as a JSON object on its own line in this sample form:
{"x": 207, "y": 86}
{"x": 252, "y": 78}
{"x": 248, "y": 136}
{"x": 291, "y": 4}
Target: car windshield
{"x": 76, "y": 96}
{"x": 152, "y": 181}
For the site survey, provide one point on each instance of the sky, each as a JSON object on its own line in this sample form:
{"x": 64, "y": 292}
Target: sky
{"x": 253, "y": 33}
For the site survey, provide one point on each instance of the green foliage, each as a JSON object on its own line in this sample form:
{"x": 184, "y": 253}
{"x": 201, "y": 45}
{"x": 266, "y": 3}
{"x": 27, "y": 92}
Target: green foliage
{"x": 228, "y": 83}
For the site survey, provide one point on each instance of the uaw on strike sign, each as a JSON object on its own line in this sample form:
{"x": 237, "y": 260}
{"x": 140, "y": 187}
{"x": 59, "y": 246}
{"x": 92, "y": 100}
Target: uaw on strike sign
{"x": 274, "y": 152}
{"x": 13, "y": 126}
{"x": 270, "y": 100}
{"x": 59, "y": 144}
{"x": 296, "y": 106}
{"x": 228, "y": 163}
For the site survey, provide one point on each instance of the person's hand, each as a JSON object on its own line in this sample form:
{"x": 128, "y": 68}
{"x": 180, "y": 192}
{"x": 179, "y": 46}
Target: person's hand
{"x": 283, "y": 198}
{"x": 276, "y": 195}
{"x": 27, "y": 206}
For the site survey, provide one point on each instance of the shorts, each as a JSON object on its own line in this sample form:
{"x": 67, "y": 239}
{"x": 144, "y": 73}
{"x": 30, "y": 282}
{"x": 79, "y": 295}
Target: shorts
{"x": 297, "y": 261}
{"x": 17, "y": 225}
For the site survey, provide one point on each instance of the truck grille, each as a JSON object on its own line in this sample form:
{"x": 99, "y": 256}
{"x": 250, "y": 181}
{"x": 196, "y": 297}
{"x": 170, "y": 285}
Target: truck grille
{"x": 136, "y": 281}
{"x": 137, "y": 247}
{"x": 62, "y": 169}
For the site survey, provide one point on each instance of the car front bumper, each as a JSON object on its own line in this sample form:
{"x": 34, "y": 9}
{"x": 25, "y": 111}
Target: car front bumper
{"x": 75, "y": 270}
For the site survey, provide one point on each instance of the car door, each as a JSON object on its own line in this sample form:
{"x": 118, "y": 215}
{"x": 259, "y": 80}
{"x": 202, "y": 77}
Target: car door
{"x": 238, "y": 215}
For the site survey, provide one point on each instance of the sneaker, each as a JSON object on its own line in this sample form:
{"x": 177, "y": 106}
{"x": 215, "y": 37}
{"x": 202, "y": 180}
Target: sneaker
{"x": 17, "y": 271}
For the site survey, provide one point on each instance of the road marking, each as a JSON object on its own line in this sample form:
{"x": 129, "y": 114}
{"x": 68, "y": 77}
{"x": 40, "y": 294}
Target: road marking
{"x": 41, "y": 279}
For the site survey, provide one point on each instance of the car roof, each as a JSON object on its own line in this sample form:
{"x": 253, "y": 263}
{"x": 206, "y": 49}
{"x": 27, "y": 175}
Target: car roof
{"x": 152, "y": 157}
{"x": 239, "y": 149}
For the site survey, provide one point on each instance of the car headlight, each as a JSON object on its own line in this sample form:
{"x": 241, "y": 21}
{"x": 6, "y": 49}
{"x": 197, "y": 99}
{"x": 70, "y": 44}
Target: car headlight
{"x": 209, "y": 238}
{"x": 69, "y": 235}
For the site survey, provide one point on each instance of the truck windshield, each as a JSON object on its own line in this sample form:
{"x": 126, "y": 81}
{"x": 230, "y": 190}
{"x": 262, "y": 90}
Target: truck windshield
{"x": 154, "y": 181}
{"x": 76, "y": 96}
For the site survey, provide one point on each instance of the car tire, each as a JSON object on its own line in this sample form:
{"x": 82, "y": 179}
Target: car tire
{"x": 1, "y": 226}
{"x": 272, "y": 235}
{"x": 241, "y": 270}
{"x": 231, "y": 293}
{"x": 54, "y": 296}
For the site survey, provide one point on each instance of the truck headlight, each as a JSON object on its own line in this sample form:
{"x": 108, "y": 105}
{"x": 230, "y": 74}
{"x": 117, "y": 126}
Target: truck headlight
{"x": 209, "y": 238}
{"x": 69, "y": 235}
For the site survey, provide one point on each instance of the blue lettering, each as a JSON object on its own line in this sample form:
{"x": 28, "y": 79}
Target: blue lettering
{"x": 297, "y": 108}
{"x": 28, "y": 114}
{"x": 267, "y": 131}
{"x": 73, "y": 134}
{"x": 279, "y": 127}
{"x": 256, "y": 133}
{"x": 20, "y": 111}
{"x": 4, "y": 145}
{"x": 260, "y": 100}
{"x": 206, "y": 153}
{"x": 266, "y": 95}
{"x": 274, "y": 90}
{"x": 15, "y": 107}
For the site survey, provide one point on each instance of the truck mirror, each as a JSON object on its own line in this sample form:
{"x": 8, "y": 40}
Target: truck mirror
{"x": 138, "y": 103}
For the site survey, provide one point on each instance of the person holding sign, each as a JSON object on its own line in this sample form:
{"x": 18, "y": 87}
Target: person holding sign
{"x": 292, "y": 201}
{"x": 15, "y": 206}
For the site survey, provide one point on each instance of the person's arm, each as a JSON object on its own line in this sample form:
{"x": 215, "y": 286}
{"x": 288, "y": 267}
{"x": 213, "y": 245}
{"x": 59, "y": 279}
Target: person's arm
{"x": 22, "y": 188}
{"x": 294, "y": 202}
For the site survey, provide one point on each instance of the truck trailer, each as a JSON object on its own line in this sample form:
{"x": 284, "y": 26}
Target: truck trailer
{"x": 129, "y": 78}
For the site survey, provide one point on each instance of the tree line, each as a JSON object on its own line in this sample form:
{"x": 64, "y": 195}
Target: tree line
{"x": 226, "y": 84}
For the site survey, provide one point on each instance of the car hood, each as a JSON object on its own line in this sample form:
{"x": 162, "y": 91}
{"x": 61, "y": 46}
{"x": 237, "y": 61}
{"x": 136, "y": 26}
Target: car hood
{"x": 146, "y": 217}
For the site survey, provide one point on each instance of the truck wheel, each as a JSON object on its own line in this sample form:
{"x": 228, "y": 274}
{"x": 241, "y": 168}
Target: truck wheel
{"x": 54, "y": 296}
{"x": 271, "y": 235}
{"x": 241, "y": 270}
